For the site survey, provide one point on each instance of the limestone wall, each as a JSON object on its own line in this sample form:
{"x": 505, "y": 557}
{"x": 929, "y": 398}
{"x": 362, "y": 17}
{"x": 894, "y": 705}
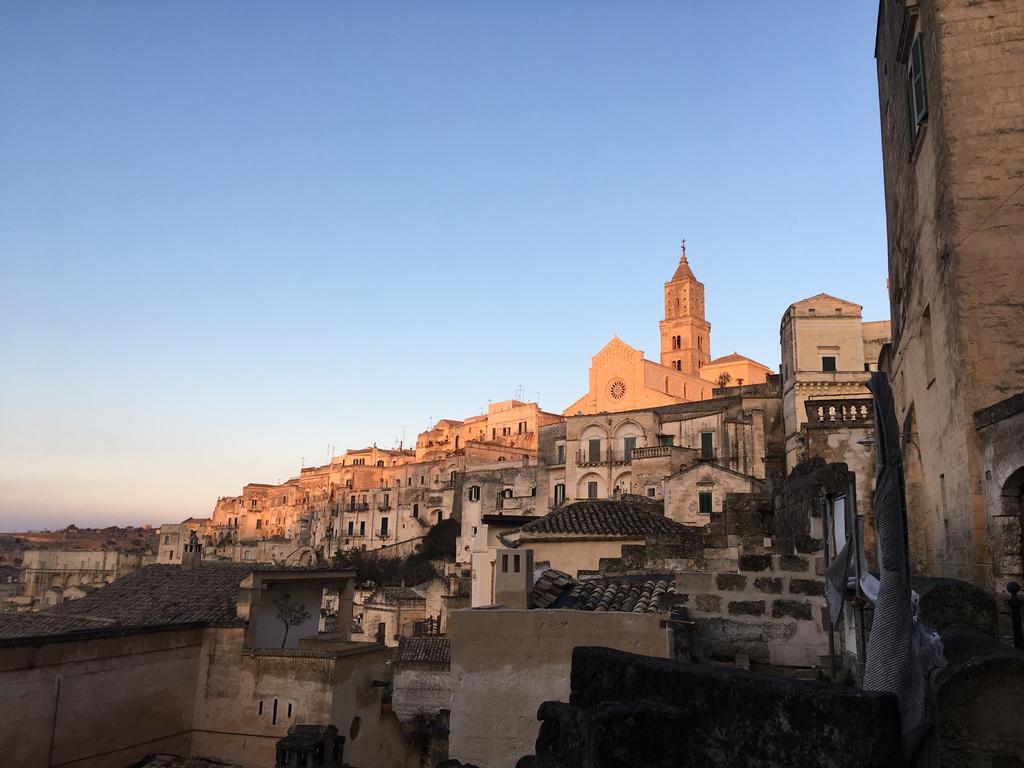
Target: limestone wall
{"x": 505, "y": 663}
{"x": 421, "y": 688}
{"x": 93, "y": 703}
{"x": 772, "y": 610}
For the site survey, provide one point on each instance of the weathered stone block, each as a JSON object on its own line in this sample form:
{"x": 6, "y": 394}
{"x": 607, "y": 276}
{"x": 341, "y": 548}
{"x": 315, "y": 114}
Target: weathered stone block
{"x": 747, "y": 608}
{"x": 768, "y": 584}
{"x": 695, "y": 714}
{"x": 694, "y": 582}
{"x": 796, "y": 609}
{"x": 807, "y": 587}
{"x": 755, "y": 562}
{"x": 794, "y": 564}
{"x": 731, "y": 581}
{"x": 708, "y": 603}
{"x": 807, "y": 545}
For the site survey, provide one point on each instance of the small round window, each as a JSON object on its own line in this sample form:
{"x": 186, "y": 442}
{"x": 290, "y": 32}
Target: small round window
{"x": 353, "y": 730}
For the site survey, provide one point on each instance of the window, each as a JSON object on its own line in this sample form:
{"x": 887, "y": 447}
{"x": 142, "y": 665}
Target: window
{"x": 677, "y": 364}
{"x": 416, "y": 511}
{"x": 289, "y": 709}
{"x": 380, "y": 463}
{"x": 474, "y": 493}
{"x": 559, "y": 493}
{"x": 273, "y": 715}
{"x": 522, "y": 427}
{"x": 383, "y": 527}
{"x": 651, "y": 491}
{"x": 828, "y": 364}
{"x": 516, "y": 566}
{"x": 387, "y": 501}
{"x": 666, "y": 440}
{"x": 259, "y": 523}
{"x": 592, "y": 490}
{"x": 167, "y": 539}
{"x": 252, "y": 504}
{"x": 704, "y": 502}
{"x": 423, "y": 479}
{"x": 560, "y": 453}
{"x": 351, "y": 526}
{"x": 594, "y": 450}
{"x": 362, "y": 527}
{"x": 261, "y": 708}
{"x": 628, "y": 444}
{"x": 917, "y": 92}
{"x": 707, "y": 445}
{"x": 504, "y": 563}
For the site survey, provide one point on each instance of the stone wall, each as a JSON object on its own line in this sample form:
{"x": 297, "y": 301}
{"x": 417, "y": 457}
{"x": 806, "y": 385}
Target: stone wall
{"x": 955, "y": 224}
{"x": 94, "y": 702}
{"x": 421, "y": 687}
{"x": 772, "y": 610}
{"x": 505, "y": 663}
{"x": 673, "y": 714}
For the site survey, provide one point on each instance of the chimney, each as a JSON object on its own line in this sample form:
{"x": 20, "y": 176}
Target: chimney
{"x": 513, "y": 577}
{"x": 192, "y": 555}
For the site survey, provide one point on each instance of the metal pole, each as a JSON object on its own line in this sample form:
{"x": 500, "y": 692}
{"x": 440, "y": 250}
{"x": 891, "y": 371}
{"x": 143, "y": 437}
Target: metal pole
{"x": 1015, "y": 621}
{"x": 858, "y": 544}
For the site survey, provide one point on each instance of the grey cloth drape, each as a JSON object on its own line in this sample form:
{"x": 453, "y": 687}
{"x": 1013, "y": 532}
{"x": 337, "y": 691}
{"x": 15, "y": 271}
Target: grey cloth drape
{"x": 893, "y": 664}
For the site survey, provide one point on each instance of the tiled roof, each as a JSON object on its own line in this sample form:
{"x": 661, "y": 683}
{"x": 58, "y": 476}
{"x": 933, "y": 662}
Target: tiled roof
{"x": 652, "y": 595}
{"x": 626, "y": 518}
{"x": 175, "y": 761}
{"x": 435, "y": 650}
{"x": 549, "y": 587}
{"x": 157, "y": 595}
{"x": 637, "y": 594}
{"x": 395, "y": 594}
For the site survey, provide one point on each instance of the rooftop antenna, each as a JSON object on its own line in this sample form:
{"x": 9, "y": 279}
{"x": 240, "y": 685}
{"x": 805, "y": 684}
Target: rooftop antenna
{"x": 518, "y": 394}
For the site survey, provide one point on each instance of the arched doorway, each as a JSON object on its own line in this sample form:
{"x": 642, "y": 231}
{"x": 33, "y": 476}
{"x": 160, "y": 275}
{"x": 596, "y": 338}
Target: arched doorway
{"x": 1012, "y": 529}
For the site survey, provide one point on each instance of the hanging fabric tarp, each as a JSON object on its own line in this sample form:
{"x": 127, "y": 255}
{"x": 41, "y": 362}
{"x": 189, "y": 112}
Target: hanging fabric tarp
{"x": 893, "y": 664}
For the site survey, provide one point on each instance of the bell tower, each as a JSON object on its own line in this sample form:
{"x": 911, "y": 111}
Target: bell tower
{"x": 685, "y": 334}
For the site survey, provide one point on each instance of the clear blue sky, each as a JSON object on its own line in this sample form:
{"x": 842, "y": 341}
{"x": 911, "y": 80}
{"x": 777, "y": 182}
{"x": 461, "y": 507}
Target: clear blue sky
{"x": 233, "y": 233}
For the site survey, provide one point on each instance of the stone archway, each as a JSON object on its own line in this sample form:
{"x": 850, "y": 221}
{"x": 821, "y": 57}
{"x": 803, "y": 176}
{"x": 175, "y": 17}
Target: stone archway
{"x": 1008, "y": 528}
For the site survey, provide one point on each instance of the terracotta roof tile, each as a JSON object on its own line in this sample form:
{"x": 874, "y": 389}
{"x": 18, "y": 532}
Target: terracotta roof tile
{"x": 640, "y": 594}
{"x": 435, "y": 650}
{"x": 626, "y": 517}
{"x": 157, "y": 595}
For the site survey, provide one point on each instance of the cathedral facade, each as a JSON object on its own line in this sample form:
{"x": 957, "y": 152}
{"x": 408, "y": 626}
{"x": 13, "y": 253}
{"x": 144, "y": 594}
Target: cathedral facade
{"x": 622, "y": 379}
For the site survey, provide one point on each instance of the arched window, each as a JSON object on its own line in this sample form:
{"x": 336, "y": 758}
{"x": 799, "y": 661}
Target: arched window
{"x": 559, "y": 493}
{"x": 416, "y": 511}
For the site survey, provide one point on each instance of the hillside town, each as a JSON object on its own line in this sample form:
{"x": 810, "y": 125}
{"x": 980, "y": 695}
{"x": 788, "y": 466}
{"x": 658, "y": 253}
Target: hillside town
{"x": 705, "y": 559}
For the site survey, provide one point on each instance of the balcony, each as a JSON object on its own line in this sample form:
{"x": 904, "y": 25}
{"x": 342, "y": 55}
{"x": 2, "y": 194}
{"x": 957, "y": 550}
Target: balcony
{"x": 358, "y": 507}
{"x": 655, "y": 452}
{"x": 585, "y": 458}
{"x": 383, "y": 507}
{"x": 836, "y": 412}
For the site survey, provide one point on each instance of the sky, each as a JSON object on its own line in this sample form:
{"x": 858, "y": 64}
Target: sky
{"x": 234, "y": 234}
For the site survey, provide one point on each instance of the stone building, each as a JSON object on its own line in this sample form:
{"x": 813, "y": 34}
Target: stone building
{"x": 188, "y": 659}
{"x": 951, "y": 99}
{"x": 622, "y": 379}
{"x": 828, "y": 354}
{"x": 58, "y": 569}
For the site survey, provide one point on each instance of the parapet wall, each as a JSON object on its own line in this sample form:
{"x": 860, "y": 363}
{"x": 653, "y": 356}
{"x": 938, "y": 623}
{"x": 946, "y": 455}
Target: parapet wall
{"x": 628, "y": 710}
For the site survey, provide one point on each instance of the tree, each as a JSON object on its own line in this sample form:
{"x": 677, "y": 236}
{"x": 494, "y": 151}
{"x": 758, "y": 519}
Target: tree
{"x": 290, "y": 613}
{"x": 724, "y": 378}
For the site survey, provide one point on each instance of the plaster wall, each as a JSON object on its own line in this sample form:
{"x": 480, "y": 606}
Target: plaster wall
{"x": 505, "y": 663}
{"x": 94, "y": 703}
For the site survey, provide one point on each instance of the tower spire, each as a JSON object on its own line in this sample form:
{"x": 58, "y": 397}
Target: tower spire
{"x": 683, "y": 271}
